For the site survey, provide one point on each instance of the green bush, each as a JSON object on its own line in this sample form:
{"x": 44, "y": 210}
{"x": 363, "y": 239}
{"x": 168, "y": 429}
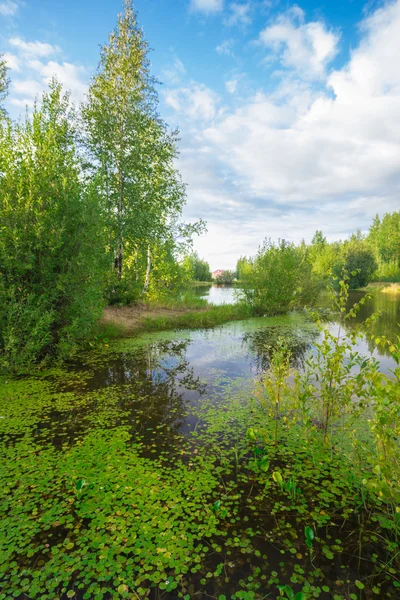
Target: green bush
{"x": 227, "y": 277}
{"x": 360, "y": 265}
{"x": 281, "y": 279}
{"x": 25, "y": 325}
{"x": 387, "y": 271}
{"x": 51, "y": 245}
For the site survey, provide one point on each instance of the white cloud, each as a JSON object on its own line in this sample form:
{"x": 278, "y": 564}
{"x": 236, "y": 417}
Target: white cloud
{"x": 29, "y": 88}
{"x": 239, "y": 14}
{"x": 231, "y": 85}
{"x": 8, "y": 8}
{"x": 305, "y": 47}
{"x": 34, "y": 71}
{"x": 22, "y": 102}
{"x": 38, "y": 49}
{"x": 226, "y": 47}
{"x": 12, "y": 61}
{"x": 207, "y": 6}
{"x": 174, "y": 73}
{"x": 196, "y": 102}
{"x": 73, "y": 77}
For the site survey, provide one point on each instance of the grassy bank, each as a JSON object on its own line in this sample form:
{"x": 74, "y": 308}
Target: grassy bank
{"x": 185, "y": 301}
{"x": 201, "y": 283}
{"x": 381, "y": 286}
{"x": 212, "y": 316}
{"x": 184, "y": 311}
{"x": 126, "y": 320}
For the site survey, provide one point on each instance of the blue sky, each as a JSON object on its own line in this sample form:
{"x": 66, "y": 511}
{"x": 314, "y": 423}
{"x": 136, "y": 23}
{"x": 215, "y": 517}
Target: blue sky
{"x": 289, "y": 113}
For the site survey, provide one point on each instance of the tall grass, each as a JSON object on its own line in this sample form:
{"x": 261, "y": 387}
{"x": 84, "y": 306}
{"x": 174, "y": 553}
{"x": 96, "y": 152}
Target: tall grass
{"x": 187, "y": 300}
{"x": 108, "y": 331}
{"x": 214, "y": 315}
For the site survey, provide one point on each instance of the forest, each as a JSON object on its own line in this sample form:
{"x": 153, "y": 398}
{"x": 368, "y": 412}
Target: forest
{"x": 164, "y": 435}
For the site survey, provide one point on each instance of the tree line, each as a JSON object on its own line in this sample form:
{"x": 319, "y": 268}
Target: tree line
{"x": 283, "y": 275}
{"x": 90, "y": 204}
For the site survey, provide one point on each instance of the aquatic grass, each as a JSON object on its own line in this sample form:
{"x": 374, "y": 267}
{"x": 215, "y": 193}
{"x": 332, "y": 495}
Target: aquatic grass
{"x": 107, "y": 331}
{"x": 180, "y": 301}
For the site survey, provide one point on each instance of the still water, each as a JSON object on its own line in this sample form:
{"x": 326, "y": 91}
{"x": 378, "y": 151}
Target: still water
{"x": 201, "y": 362}
{"x": 215, "y": 294}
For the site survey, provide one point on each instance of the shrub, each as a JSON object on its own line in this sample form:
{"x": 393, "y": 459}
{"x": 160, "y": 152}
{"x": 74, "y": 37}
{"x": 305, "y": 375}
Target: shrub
{"x": 51, "y": 245}
{"x": 281, "y": 279}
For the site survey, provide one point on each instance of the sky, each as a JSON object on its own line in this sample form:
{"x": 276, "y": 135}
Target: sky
{"x": 289, "y": 114}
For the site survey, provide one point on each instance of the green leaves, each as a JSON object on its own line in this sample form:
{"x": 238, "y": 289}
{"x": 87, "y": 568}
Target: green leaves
{"x": 251, "y": 434}
{"x": 50, "y": 239}
{"x": 286, "y": 590}
{"x": 309, "y": 535}
{"x": 279, "y": 278}
{"x": 264, "y": 464}
{"x": 359, "y": 584}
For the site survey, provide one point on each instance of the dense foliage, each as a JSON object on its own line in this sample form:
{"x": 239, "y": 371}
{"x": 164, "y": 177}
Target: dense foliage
{"x": 50, "y": 239}
{"x": 283, "y": 276}
{"x": 375, "y": 256}
{"x": 197, "y": 269}
{"x": 90, "y": 202}
{"x": 384, "y": 239}
{"x": 226, "y": 276}
{"x": 280, "y": 279}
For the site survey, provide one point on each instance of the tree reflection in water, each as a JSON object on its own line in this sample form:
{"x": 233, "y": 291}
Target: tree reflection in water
{"x": 260, "y": 343}
{"x": 154, "y": 386}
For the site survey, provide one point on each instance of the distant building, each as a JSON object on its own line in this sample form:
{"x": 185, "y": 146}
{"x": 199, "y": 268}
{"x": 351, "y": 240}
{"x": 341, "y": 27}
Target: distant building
{"x": 217, "y": 273}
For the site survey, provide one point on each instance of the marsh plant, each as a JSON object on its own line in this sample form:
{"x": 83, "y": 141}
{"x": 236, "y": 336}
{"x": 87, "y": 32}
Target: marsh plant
{"x": 334, "y": 429}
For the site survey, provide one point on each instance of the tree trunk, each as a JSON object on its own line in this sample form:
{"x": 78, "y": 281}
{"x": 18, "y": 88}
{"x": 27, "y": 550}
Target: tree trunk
{"x": 120, "y": 254}
{"x": 147, "y": 278}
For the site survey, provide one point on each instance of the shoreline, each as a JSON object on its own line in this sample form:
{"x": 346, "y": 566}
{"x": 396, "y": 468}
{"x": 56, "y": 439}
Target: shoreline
{"x": 123, "y": 321}
{"x": 386, "y": 287}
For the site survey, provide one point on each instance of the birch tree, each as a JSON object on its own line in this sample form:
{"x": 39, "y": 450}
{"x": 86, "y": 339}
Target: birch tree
{"x": 3, "y": 84}
{"x": 132, "y": 150}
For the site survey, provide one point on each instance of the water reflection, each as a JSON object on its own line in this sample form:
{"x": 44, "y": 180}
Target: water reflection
{"x": 164, "y": 372}
{"x": 161, "y": 381}
{"x": 298, "y": 341}
{"x": 215, "y": 294}
{"x": 159, "y": 364}
{"x": 388, "y": 322}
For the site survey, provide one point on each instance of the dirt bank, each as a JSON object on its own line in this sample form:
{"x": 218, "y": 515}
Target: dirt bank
{"x": 131, "y": 318}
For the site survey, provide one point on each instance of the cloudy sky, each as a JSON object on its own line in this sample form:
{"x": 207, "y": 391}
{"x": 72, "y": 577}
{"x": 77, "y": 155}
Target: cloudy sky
{"x": 289, "y": 113}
